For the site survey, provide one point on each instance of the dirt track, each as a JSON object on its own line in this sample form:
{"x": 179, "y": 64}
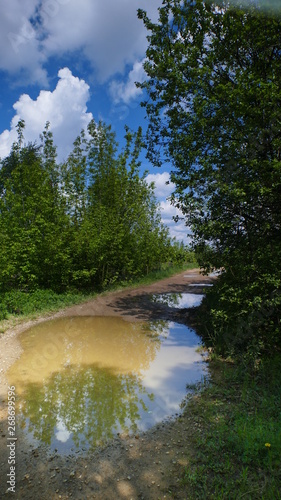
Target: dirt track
{"x": 145, "y": 466}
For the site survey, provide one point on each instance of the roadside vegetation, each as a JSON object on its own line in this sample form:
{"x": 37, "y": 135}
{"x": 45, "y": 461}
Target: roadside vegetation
{"x": 19, "y": 306}
{"x": 213, "y": 97}
{"x": 235, "y": 445}
{"x": 84, "y": 225}
{"x": 71, "y": 230}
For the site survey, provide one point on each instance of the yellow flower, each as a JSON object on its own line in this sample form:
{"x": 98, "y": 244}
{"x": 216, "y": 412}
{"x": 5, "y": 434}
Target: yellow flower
{"x": 268, "y": 445}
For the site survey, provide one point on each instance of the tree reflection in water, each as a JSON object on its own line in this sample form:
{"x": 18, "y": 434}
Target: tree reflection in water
{"x": 81, "y": 380}
{"x": 178, "y": 300}
{"x": 78, "y": 379}
{"x": 90, "y": 405}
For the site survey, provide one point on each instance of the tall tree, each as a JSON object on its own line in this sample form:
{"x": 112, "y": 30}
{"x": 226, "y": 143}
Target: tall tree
{"x": 75, "y": 180}
{"x": 214, "y": 98}
{"x": 32, "y": 219}
{"x": 87, "y": 223}
{"x": 116, "y": 226}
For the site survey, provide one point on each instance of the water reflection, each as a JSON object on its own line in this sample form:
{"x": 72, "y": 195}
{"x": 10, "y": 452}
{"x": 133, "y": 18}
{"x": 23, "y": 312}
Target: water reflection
{"x": 82, "y": 380}
{"x": 201, "y": 285}
{"x": 82, "y": 408}
{"x": 178, "y": 300}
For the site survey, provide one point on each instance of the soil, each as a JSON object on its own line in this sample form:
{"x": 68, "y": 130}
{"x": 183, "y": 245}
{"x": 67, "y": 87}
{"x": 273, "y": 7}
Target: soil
{"x": 145, "y": 466}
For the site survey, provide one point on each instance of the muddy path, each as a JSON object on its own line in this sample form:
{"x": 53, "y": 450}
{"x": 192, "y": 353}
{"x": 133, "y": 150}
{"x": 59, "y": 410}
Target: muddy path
{"x": 135, "y": 304}
{"x": 147, "y": 465}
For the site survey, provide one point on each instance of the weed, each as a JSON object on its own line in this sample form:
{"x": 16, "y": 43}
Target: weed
{"x": 236, "y": 452}
{"x": 30, "y": 304}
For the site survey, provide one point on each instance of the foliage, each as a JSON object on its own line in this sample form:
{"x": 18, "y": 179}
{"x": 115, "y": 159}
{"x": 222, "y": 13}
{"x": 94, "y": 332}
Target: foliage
{"x": 16, "y": 302}
{"x": 242, "y": 316}
{"x": 236, "y": 434}
{"x": 86, "y": 224}
{"x": 32, "y": 220}
{"x": 25, "y": 304}
{"x": 115, "y": 222}
{"x": 214, "y": 97}
{"x": 167, "y": 270}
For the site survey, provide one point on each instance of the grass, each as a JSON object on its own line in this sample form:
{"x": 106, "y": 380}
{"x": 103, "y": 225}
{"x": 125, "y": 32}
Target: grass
{"x": 17, "y": 306}
{"x": 235, "y": 445}
{"x": 165, "y": 272}
{"x": 27, "y": 303}
{"x": 236, "y": 441}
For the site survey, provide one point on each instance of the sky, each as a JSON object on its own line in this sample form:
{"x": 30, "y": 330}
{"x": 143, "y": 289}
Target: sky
{"x": 66, "y": 62}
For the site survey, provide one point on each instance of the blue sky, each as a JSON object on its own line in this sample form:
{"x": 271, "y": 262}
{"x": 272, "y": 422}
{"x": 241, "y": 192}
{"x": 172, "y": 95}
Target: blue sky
{"x": 67, "y": 62}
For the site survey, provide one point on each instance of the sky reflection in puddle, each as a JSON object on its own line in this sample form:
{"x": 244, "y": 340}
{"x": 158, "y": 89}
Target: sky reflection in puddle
{"x": 82, "y": 380}
{"x": 178, "y": 300}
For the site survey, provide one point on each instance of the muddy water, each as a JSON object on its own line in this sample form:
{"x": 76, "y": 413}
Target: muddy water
{"x": 82, "y": 380}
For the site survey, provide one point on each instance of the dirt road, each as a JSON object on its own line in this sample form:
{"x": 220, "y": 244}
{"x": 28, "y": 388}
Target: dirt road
{"x": 147, "y": 466}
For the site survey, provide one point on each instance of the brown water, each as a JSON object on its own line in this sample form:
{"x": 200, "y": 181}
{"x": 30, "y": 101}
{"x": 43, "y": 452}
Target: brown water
{"x": 82, "y": 380}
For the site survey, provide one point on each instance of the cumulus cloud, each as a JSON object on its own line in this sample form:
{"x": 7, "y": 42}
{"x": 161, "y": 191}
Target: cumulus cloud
{"x": 169, "y": 212}
{"x": 108, "y": 34}
{"x": 178, "y": 229}
{"x": 163, "y": 190}
{"x": 121, "y": 91}
{"x": 163, "y": 185}
{"x": 19, "y": 45}
{"x": 65, "y": 108}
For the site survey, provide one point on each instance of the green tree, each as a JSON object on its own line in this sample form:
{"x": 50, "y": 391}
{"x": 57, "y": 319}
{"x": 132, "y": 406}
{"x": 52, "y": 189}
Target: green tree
{"x": 116, "y": 226}
{"x": 214, "y": 98}
{"x": 32, "y": 219}
{"x": 75, "y": 180}
{"x": 87, "y": 223}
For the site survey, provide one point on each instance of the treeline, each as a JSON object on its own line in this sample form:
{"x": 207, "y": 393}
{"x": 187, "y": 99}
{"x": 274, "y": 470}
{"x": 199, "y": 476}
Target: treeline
{"x": 83, "y": 224}
{"x": 213, "y": 104}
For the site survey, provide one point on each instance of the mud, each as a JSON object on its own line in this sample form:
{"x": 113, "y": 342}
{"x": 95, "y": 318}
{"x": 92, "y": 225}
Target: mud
{"x": 147, "y": 465}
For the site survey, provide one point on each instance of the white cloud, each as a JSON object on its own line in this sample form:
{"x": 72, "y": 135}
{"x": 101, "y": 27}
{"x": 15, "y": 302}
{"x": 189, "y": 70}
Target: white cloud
{"x": 108, "y": 34}
{"x": 19, "y": 46}
{"x": 169, "y": 212}
{"x": 163, "y": 186}
{"x": 162, "y": 191}
{"x": 65, "y": 108}
{"x": 62, "y": 433}
{"x": 127, "y": 91}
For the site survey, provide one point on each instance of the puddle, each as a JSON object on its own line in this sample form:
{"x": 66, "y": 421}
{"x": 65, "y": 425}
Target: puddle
{"x": 82, "y": 380}
{"x": 201, "y": 284}
{"x": 178, "y": 300}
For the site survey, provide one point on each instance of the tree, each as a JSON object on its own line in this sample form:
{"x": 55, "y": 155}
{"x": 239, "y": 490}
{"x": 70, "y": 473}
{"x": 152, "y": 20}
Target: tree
{"x": 75, "y": 180}
{"x": 214, "y": 98}
{"x": 32, "y": 219}
{"x": 116, "y": 226}
{"x": 88, "y": 223}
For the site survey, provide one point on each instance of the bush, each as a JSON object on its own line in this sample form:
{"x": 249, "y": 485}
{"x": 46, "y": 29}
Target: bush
{"x": 18, "y": 302}
{"x": 3, "y": 312}
{"x": 242, "y": 316}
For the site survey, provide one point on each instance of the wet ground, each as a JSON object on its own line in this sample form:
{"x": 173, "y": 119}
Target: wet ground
{"x": 135, "y": 464}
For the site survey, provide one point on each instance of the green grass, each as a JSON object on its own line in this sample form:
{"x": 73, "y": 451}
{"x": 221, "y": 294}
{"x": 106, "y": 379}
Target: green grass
{"x": 236, "y": 441}
{"x": 234, "y": 417}
{"x": 165, "y": 272}
{"x": 19, "y": 304}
